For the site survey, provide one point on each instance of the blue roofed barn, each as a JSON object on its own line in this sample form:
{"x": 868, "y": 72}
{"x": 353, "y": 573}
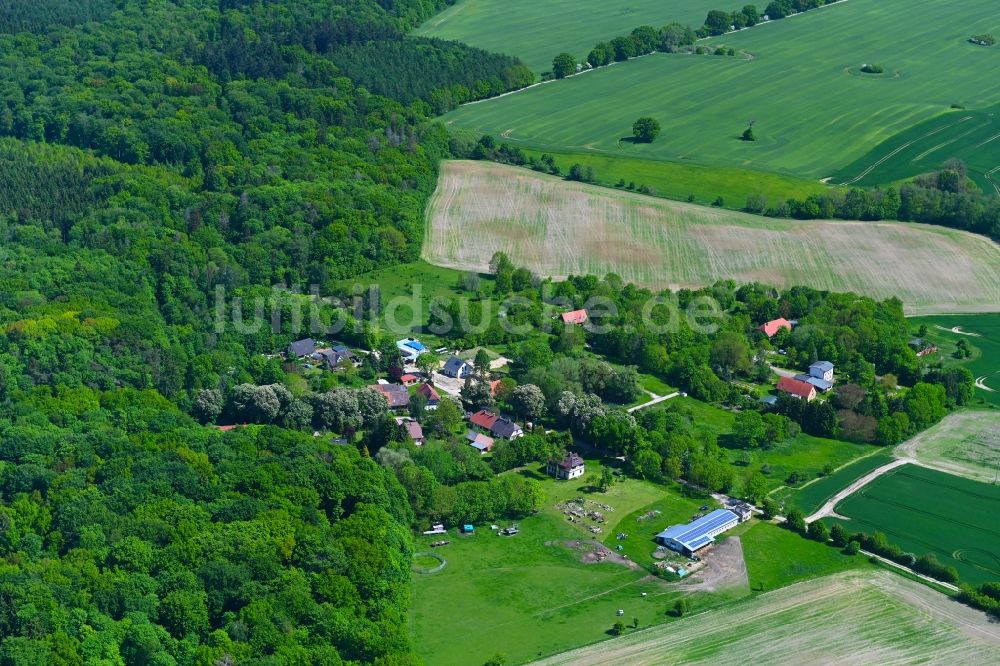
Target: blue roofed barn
{"x": 690, "y": 538}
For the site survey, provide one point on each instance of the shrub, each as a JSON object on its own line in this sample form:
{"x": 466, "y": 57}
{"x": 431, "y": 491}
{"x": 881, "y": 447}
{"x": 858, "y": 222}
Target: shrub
{"x": 868, "y": 68}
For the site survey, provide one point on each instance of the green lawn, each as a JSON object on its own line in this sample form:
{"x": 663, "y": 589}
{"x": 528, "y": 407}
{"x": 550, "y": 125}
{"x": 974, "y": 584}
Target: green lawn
{"x": 777, "y": 557}
{"x": 972, "y": 136}
{"x": 809, "y": 497}
{"x": 985, "y": 346}
{"x": 537, "y": 31}
{"x": 926, "y": 511}
{"x": 676, "y": 180}
{"x": 814, "y": 112}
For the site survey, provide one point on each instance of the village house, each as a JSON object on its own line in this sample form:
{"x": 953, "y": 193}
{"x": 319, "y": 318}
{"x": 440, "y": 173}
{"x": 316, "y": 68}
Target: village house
{"x": 570, "y": 466}
{"x": 300, "y": 348}
{"x": 797, "y": 389}
{"x": 480, "y": 442}
{"x": 413, "y": 430}
{"x": 483, "y": 419}
{"x": 335, "y": 358}
{"x": 433, "y": 397}
{"x": 497, "y": 426}
{"x": 771, "y": 328}
{"x": 395, "y": 394}
{"x": 456, "y": 368}
{"x": 575, "y": 318}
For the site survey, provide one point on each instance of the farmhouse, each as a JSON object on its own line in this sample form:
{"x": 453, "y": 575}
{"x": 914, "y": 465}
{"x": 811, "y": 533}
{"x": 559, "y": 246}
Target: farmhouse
{"x": 575, "y": 318}
{"x": 300, "y": 348}
{"x": 433, "y": 397}
{"x": 480, "y": 442}
{"x": 410, "y": 349}
{"x": 797, "y": 389}
{"x": 689, "y": 539}
{"x": 772, "y": 327}
{"x": 570, "y": 466}
{"x": 395, "y": 394}
{"x": 456, "y": 368}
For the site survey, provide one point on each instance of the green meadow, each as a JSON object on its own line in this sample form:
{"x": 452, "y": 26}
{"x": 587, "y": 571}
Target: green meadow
{"x": 926, "y": 511}
{"x": 538, "y": 31}
{"x": 813, "y": 110}
{"x": 811, "y": 496}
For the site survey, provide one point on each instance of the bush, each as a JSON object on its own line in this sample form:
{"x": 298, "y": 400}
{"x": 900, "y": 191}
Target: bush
{"x": 872, "y": 69}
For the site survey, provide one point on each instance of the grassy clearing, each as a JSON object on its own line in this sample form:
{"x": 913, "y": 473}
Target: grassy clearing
{"x": 537, "y": 31}
{"x": 856, "y": 617}
{"x": 674, "y": 180}
{"x": 777, "y": 557}
{"x": 926, "y": 511}
{"x": 814, "y": 111}
{"x": 811, "y": 496}
{"x": 560, "y": 228}
{"x": 531, "y": 595}
{"x": 985, "y": 346}
{"x": 972, "y": 136}
{"x": 964, "y": 443}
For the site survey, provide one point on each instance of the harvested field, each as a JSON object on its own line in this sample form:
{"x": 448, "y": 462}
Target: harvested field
{"x": 965, "y": 443}
{"x": 558, "y": 228}
{"x": 851, "y": 618}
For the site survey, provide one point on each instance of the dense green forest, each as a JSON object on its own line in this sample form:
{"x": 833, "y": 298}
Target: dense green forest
{"x": 153, "y": 151}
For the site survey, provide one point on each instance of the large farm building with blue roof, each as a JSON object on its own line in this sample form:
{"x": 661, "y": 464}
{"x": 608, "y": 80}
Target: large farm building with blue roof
{"x": 690, "y": 538}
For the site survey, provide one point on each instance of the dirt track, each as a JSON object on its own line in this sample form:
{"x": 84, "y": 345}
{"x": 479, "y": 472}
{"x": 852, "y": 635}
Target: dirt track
{"x": 828, "y": 508}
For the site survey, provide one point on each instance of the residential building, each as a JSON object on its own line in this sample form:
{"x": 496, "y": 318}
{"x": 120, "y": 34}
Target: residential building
{"x": 409, "y": 380}
{"x": 570, "y": 466}
{"x": 300, "y": 348}
{"x": 822, "y": 370}
{"x": 692, "y": 537}
{"x": 504, "y": 428}
{"x": 480, "y": 442}
{"x": 821, "y": 385}
{"x": 395, "y": 394}
{"x": 575, "y": 318}
{"x": 413, "y": 430}
{"x": 456, "y": 368}
{"x": 433, "y": 397}
{"x": 483, "y": 419}
{"x": 772, "y": 327}
{"x": 797, "y": 389}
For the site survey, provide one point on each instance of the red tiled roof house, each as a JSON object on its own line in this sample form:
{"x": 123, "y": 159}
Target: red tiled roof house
{"x": 797, "y": 389}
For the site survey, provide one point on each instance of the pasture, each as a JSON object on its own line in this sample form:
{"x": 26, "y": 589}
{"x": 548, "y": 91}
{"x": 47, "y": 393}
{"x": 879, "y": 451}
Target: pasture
{"x": 972, "y": 136}
{"x": 814, "y": 111}
{"x": 927, "y": 511}
{"x": 810, "y": 496}
{"x": 557, "y": 228}
{"x": 982, "y": 334}
{"x": 964, "y": 443}
{"x": 855, "y": 617}
{"x": 537, "y": 31}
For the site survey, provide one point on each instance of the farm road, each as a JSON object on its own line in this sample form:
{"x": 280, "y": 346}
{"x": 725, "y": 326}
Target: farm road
{"x": 827, "y": 508}
{"x": 656, "y": 399}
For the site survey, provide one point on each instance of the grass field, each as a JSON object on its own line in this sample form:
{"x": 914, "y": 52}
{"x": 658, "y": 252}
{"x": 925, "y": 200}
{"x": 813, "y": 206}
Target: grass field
{"x": 964, "y": 443}
{"x": 814, "y": 112}
{"x": 537, "y": 31}
{"x": 811, "y": 496}
{"x": 972, "y": 136}
{"x": 558, "y": 228}
{"x": 851, "y": 618}
{"x": 675, "y": 180}
{"x": 982, "y": 333}
{"x": 926, "y": 511}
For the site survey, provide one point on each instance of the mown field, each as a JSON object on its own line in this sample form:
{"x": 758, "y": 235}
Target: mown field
{"x": 559, "y": 228}
{"x": 972, "y": 136}
{"x": 811, "y": 496}
{"x": 856, "y": 618}
{"x": 537, "y": 31}
{"x": 814, "y": 111}
{"x": 964, "y": 443}
{"x": 927, "y": 511}
{"x": 982, "y": 334}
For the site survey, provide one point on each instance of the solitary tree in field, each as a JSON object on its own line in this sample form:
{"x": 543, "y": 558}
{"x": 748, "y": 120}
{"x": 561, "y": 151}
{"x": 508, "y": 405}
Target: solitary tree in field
{"x": 680, "y": 607}
{"x": 646, "y": 129}
{"x": 748, "y": 133}
{"x": 563, "y": 65}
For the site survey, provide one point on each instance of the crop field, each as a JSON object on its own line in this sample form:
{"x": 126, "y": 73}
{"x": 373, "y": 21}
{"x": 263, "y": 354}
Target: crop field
{"x": 964, "y": 443}
{"x": 971, "y": 136}
{"x": 811, "y": 496}
{"x": 538, "y": 31}
{"x": 559, "y": 228}
{"x": 814, "y": 111}
{"x": 982, "y": 334}
{"x": 857, "y": 618}
{"x": 927, "y": 511}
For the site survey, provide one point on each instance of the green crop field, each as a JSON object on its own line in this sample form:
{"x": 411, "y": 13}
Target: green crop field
{"x": 864, "y": 617}
{"x": 982, "y": 333}
{"x": 814, "y": 111}
{"x": 537, "y": 31}
{"x": 964, "y": 443}
{"x": 811, "y": 496}
{"x": 927, "y": 511}
{"x": 971, "y": 136}
{"x": 560, "y": 228}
